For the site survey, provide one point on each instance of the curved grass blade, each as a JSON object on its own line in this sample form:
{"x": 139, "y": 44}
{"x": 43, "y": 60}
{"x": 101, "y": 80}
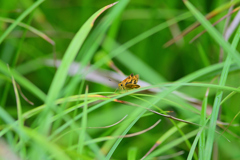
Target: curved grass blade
{"x": 42, "y": 141}
{"x": 30, "y": 28}
{"x": 214, "y": 33}
{"x": 19, "y": 19}
{"x": 172, "y": 144}
{"x": 196, "y": 24}
{"x": 232, "y": 53}
{"x": 68, "y": 58}
{"x": 23, "y": 81}
{"x": 94, "y": 40}
{"x": 164, "y": 137}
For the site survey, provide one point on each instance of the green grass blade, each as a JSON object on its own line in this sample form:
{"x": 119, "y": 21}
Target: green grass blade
{"x": 30, "y": 28}
{"x": 140, "y": 37}
{"x": 84, "y": 124}
{"x": 12, "y": 124}
{"x": 213, "y": 32}
{"x": 132, "y": 42}
{"x": 23, "y": 81}
{"x": 132, "y": 120}
{"x": 67, "y": 60}
{"x": 217, "y": 101}
{"x": 168, "y": 134}
{"x": 46, "y": 145}
{"x": 202, "y": 122}
{"x": 19, "y": 19}
{"x": 232, "y": 53}
{"x": 172, "y": 144}
{"x": 190, "y": 155}
{"x": 93, "y": 41}
{"x": 69, "y": 56}
{"x": 19, "y": 107}
{"x": 125, "y": 57}
{"x": 203, "y": 56}
{"x": 132, "y": 153}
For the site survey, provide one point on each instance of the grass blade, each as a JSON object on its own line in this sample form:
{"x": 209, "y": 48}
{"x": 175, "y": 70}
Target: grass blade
{"x": 232, "y": 53}
{"x": 213, "y": 32}
{"x": 48, "y": 146}
{"x": 23, "y": 81}
{"x": 68, "y": 58}
{"x": 19, "y": 19}
{"x": 84, "y": 124}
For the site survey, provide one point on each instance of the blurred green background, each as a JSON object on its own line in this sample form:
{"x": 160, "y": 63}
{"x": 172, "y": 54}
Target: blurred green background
{"x": 26, "y": 53}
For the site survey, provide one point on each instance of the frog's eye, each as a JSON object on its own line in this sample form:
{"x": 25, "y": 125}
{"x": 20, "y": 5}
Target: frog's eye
{"x": 121, "y": 84}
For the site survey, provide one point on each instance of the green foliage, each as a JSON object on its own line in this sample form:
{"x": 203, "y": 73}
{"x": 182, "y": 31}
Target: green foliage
{"x": 77, "y": 115}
